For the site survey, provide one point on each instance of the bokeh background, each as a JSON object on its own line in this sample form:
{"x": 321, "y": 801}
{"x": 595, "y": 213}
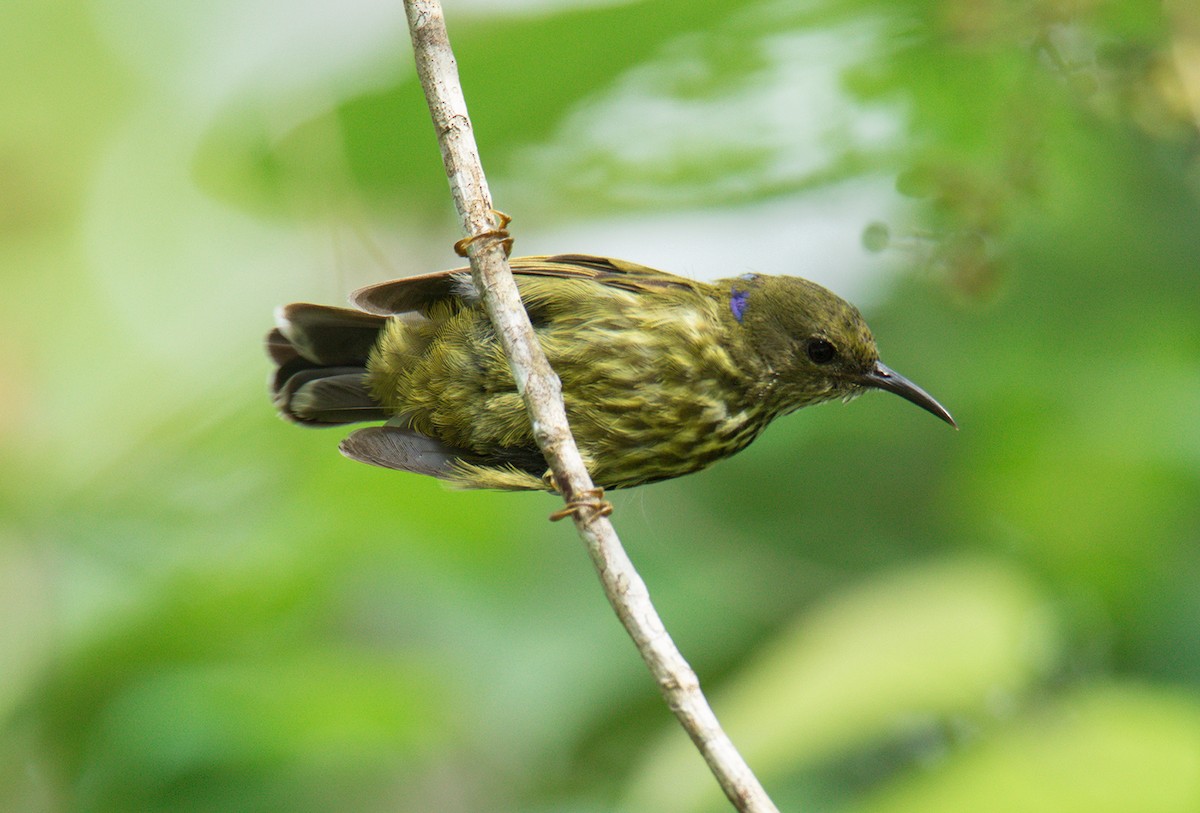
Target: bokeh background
{"x": 206, "y": 609}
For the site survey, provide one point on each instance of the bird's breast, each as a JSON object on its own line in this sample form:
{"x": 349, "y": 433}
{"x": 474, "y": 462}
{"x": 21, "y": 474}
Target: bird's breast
{"x": 662, "y": 400}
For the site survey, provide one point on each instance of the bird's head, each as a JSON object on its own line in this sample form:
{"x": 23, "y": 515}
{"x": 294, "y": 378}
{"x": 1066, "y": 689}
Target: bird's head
{"x": 816, "y": 344}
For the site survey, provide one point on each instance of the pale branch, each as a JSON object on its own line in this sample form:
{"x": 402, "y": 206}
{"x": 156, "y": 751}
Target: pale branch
{"x": 542, "y": 393}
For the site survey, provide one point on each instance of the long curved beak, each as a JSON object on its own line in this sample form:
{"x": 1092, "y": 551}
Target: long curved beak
{"x": 885, "y": 378}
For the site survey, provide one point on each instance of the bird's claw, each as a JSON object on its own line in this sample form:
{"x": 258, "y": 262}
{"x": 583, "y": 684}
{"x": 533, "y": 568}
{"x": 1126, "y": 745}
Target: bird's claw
{"x": 591, "y": 500}
{"x": 499, "y": 233}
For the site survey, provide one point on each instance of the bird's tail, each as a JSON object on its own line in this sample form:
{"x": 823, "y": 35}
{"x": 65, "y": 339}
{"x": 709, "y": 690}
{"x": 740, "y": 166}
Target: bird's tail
{"x": 320, "y": 356}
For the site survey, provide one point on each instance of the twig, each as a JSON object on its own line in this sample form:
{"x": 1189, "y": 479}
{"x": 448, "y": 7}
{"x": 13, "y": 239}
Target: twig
{"x": 542, "y": 392}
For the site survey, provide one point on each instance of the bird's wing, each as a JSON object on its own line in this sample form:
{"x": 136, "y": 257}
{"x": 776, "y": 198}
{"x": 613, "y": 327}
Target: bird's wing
{"x": 392, "y": 447}
{"x": 418, "y": 293}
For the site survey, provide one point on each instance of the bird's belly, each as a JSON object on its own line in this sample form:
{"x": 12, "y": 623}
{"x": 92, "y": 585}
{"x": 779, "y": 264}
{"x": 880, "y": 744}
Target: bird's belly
{"x": 655, "y": 433}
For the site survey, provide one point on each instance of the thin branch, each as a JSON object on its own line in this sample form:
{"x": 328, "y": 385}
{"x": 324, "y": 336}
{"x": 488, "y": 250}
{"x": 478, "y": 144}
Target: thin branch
{"x": 542, "y": 392}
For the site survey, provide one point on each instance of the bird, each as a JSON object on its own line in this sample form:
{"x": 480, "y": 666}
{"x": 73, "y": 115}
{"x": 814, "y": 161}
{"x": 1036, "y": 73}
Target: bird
{"x": 661, "y": 375}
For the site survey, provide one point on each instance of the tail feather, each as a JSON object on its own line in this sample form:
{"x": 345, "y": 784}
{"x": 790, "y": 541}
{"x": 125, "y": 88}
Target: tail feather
{"x": 321, "y": 356}
{"x": 320, "y": 379}
{"x": 329, "y": 336}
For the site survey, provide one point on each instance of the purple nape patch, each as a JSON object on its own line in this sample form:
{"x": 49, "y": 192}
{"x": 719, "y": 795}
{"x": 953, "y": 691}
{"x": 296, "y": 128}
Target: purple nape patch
{"x": 737, "y": 304}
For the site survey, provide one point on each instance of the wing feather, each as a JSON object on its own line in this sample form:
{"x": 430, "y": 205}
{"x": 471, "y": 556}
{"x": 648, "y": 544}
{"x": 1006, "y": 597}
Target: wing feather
{"x": 420, "y": 292}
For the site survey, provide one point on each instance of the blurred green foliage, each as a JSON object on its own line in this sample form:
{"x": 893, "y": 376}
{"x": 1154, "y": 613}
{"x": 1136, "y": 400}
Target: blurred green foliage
{"x": 207, "y": 609}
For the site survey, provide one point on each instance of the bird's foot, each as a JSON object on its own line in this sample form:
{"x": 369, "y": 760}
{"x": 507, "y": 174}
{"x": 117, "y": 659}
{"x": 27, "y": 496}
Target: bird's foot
{"x": 499, "y": 233}
{"x": 591, "y": 501}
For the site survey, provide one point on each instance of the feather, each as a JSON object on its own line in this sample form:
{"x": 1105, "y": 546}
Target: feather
{"x": 392, "y": 447}
{"x": 321, "y": 355}
{"x": 421, "y": 292}
{"x": 325, "y": 335}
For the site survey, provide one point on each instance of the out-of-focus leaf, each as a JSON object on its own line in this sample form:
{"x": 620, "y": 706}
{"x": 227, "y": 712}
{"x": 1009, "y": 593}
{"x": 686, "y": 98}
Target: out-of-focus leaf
{"x": 893, "y": 653}
{"x": 1106, "y": 749}
{"x": 330, "y": 719}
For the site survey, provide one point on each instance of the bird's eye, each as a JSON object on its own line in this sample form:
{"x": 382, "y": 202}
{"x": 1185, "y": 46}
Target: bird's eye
{"x": 821, "y": 351}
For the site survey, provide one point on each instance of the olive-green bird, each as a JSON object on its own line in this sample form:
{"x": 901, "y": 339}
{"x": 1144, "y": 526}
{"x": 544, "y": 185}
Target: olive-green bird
{"x": 661, "y": 375}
